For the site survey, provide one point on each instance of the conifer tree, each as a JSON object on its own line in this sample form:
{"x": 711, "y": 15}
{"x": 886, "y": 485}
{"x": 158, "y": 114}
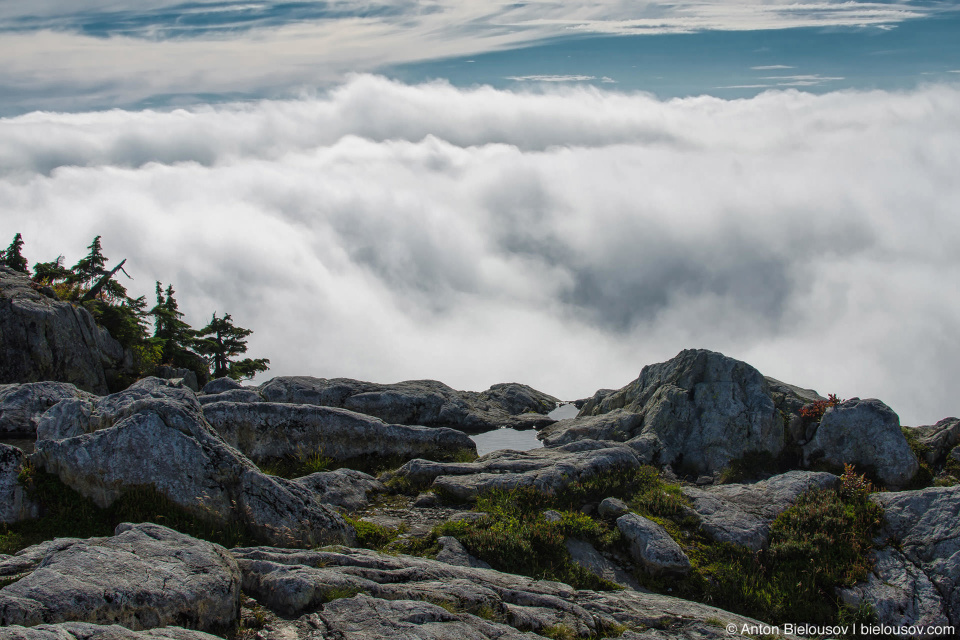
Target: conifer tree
{"x": 50, "y": 273}
{"x": 223, "y": 341}
{"x": 13, "y": 258}
{"x": 90, "y": 266}
{"x": 175, "y": 335}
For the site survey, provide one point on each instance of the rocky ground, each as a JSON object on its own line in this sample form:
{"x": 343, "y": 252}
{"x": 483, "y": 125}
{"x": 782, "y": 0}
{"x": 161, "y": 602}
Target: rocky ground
{"x": 338, "y": 509}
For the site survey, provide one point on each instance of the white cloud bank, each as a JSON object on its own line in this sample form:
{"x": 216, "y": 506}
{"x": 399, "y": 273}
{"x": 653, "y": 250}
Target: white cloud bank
{"x": 562, "y": 239}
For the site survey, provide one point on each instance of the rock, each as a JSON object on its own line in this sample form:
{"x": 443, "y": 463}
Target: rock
{"x": 789, "y": 400}
{"x": 87, "y": 631}
{"x": 618, "y": 425}
{"x": 586, "y": 555}
{"x": 452, "y": 552}
{"x": 741, "y": 514}
{"x": 155, "y": 435}
{"x": 270, "y": 430}
{"x": 302, "y": 583}
{"x": 145, "y": 576}
{"x": 345, "y": 488}
{"x": 364, "y": 618}
{"x": 612, "y": 508}
{"x": 547, "y": 470}
{"x": 922, "y": 525}
{"x": 426, "y": 499}
{"x": 863, "y": 433}
{"x": 187, "y": 377}
{"x": 652, "y": 547}
{"x": 700, "y": 410}
{"x": 938, "y": 439}
{"x": 15, "y": 504}
{"x": 221, "y": 385}
{"x": 900, "y": 592}
{"x": 21, "y": 405}
{"x": 233, "y": 395}
{"x": 419, "y": 402}
{"x": 552, "y": 516}
{"x": 45, "y": 339}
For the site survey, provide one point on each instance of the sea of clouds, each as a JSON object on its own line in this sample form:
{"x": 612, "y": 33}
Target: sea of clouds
{"x": 562, "y": 238}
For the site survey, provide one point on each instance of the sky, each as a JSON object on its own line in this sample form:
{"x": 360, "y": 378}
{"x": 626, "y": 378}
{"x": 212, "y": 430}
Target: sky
{"x": 554, "y": 193}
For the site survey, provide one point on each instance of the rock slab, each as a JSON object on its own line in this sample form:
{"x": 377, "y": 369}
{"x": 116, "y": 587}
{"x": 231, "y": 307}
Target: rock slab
{"x": 143, "y": 577}
{"x": 15, "y": 504}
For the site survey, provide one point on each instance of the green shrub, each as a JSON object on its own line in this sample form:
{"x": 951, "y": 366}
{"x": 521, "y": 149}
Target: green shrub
{"x": 371, "y": 535}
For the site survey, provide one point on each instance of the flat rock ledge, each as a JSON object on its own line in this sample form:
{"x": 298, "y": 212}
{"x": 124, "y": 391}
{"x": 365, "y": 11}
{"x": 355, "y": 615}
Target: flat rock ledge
{"x": 87, "y": 631}
{"x": 271, "y": 430}
{"x": 547, "y": 470}
{"x": 358, "y": 594}
{"x": 145, "y": 576}
{"x": 742, "y": 513}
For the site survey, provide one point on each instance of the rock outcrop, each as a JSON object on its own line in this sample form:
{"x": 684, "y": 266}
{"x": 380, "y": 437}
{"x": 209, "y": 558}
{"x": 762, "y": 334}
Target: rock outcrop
{"x": 155, "y": 435}
{"x": 303, "y": 583}
{"x": 700, "y": 410}
{"x": 864, "y": 433}
{"x": 87, "y": 631}
{"x": 916, "y": 578}
{"x": 652, "y": 547}
{"x": 938, "y": 439}
{"x": 548, "y": 470}
{"x": 271, "y": 430}
{"x": 344, "y": 488}
{"x": 15, "y": 504}
{"x": 45, "y": 339}
{"x": 419, "y": 402}
{"x": 22, "y": 405}
{"x": 145, "y": 576}
{"x": 741, "y": 514}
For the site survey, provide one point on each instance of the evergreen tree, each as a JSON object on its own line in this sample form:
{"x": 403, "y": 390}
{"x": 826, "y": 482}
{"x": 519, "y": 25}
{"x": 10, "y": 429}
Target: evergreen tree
{"x": 13, "y": 258}
{"x": 175, "y": 335}
{"x": 222, "y": 341}
{"x": 50, "y": 273}
{"x": 90, "y": 266}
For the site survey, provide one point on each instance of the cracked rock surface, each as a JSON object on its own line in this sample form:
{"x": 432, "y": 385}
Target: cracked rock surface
{"x": 87, "y": 631}
{"x": 155, "y": 435}
{"x": 742, "y": 513}
{"x": 145, "y": 576}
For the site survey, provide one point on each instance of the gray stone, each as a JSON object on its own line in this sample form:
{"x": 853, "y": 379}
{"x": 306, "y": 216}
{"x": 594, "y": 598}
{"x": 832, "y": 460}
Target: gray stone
{"x": 863, "y": 432}
{"x": 741, "y": 514}
{"x": 21, "y": 405}
{"x": 900, "y": 593}
{"x": 452, "y": 552}
{"x": 923, "y": 525}
{"x": 345, "y": 488}
{"x": 586, "y": 555}
{"x": 618, "y": 425}
{"x": 15, "y": 504}
{"x": 701, "y": 409}
{"x": 612, "y": 508}
{"x": 548, "y": 470}
{"x": 652, "y": 547}
{"x": 186, "y": 377}
{"x": 233, "y": 395}
{"x": 145, "y": 576}
{"x": 155, "y": 435}
{"x": 87, "y": 631}
{"x": 45, "y": 339}
{"x": 270, "y": 430}
{"x": 419, "y": 402}
{"x": 298, "y": 583}
{"x": 552, "y": 516}
{"x": 221, "y": 385}
{"x": 789, "y": 400}
{"x": 938, "y": 439}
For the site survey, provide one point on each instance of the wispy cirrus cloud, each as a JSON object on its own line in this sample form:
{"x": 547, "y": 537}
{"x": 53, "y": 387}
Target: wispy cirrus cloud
{"x": 562, "y": 238}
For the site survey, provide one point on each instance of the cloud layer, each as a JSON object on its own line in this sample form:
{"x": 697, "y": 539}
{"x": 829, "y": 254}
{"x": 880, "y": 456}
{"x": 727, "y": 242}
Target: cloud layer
{"x": 60, "y": 55}
{"x": 563, "y": 238}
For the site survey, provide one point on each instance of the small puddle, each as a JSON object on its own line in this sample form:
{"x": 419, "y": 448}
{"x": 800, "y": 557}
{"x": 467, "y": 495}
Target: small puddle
{"x": 518, "y": 440}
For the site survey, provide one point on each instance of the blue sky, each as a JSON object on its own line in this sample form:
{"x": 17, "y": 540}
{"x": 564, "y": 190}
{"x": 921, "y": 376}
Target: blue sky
{"x": 552, "y": 192}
